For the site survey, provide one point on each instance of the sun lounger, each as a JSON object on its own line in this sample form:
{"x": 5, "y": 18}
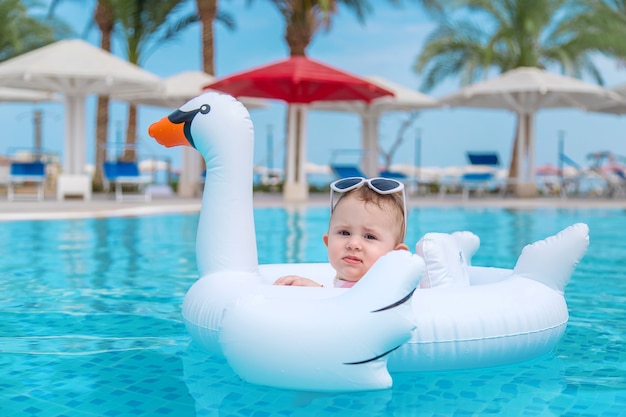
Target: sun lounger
{"x": 345, "y": 171}
{"x": 484, "y": 179}
{"x": 25, "y": 173}
{"x": 125, "y": 174}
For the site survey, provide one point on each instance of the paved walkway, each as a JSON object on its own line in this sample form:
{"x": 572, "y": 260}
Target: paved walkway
{"x": 99, "y": 206}
{"x": 103, "y": 205}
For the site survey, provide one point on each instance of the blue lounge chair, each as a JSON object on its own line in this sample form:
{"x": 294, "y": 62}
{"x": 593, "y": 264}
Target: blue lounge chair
{"x": 22, "y": 173}
{"x": 480, "y": 181}
{"x": 345, "y": 171}
{"x": 490, "y": 159}
{"x": 121, "y": 173}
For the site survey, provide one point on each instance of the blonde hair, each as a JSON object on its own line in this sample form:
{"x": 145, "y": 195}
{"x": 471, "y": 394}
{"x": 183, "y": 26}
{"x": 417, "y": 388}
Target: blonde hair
{"x": 395, "y": 200}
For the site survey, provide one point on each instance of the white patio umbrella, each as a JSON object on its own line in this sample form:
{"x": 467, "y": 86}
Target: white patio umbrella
{"x": 179, "y": 88}
{"x": 526, "y": 90}
{"x": 21, "y": 95}
{"x": 404, "y": 99}
{"x": 76, "y": 69}
{"x": 176, "y": 91}
{"x": 615, "y": 108}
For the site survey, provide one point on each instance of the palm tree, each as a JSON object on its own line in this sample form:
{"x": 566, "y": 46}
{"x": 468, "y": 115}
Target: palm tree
{"x": 208, "y": 13}
{"x": 605, "y": 21}
{"x": 475, "y": 36}
{"x": 104, "y": 18}
{"x": 144, "y": 25}
{"x": 304, "y": 18}
{"x": 22, "y": 30}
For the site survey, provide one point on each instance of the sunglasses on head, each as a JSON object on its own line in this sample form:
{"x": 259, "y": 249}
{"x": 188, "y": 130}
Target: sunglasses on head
{"x": 379, "y": 185}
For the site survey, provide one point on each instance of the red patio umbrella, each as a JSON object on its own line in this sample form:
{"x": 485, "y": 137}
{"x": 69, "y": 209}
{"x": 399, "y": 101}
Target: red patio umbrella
{"x": 298, "y": 81}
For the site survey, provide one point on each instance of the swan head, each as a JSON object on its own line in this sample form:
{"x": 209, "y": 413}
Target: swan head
{"x": 213, "y": 123}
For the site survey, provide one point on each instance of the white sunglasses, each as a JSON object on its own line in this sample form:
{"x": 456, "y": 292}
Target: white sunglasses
{"x": 380, "y": 185}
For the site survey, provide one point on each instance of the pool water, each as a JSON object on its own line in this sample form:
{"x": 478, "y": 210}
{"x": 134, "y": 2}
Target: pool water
{"x": 90, "y": 322}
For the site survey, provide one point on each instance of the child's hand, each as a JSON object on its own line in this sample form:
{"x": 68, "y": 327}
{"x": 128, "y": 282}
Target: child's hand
{"x": 297, "y": 281}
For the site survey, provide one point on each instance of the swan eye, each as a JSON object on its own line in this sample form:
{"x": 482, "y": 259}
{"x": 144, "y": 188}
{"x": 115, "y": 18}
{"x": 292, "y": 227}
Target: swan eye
{"x": 205, "y": 108}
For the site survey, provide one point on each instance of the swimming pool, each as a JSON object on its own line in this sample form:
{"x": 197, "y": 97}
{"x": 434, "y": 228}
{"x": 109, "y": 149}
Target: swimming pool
{"x": 90, "y": 322}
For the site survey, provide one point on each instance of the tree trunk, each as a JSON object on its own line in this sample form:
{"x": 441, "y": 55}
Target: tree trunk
{"x": 298, "y": 34}
{"x": 514, "y": 160}
{"x": 103, "y": 17}
{"x": 207, "y": 11}
{"x": 518, "y": 159}
{"x": 189, "y": 179}
{"x": 130, "y": 153}
{"x": 102, "y": 133}
{"x": 298, "y": 37}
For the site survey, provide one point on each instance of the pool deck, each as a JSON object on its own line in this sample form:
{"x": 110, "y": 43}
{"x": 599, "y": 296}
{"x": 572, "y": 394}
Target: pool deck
{"x": 103, "y": 205}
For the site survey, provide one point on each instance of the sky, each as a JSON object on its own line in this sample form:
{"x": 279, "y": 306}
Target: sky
{"x": 387, "y": 45}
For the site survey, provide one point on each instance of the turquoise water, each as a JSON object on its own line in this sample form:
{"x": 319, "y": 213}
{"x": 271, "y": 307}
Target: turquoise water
{"x": 90, "y": 322}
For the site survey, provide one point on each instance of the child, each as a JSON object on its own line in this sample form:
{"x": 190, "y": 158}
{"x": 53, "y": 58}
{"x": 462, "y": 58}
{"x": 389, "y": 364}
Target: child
{"x": 367, "y": 221}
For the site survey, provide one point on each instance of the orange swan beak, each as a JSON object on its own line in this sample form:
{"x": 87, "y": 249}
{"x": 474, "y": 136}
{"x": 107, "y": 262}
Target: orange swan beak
{"x": 168, "y": 134}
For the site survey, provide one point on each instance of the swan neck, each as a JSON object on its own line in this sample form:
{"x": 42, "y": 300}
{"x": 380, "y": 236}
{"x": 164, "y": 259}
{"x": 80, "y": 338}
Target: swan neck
{"x": 226, "y": 239}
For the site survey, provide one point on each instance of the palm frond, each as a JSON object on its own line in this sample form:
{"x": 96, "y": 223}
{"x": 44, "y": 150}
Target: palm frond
{"x": 476, "y": 35}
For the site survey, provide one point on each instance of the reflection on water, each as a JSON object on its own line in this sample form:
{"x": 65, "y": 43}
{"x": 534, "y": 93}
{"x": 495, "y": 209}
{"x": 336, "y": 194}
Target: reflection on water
{"x": 73, "y": 269}
{"x": 290, "y": 235}
{"x": 296, "y": 236}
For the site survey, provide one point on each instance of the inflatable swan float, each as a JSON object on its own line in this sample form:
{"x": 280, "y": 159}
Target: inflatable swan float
{"x": 332, "y": 339}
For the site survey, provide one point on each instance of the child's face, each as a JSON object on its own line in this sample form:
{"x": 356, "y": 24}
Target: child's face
{"x": 358, "y": 235}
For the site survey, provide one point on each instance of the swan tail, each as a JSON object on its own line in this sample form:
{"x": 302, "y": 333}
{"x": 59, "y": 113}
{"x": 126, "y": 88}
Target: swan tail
{"x": 552, "y": 261}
